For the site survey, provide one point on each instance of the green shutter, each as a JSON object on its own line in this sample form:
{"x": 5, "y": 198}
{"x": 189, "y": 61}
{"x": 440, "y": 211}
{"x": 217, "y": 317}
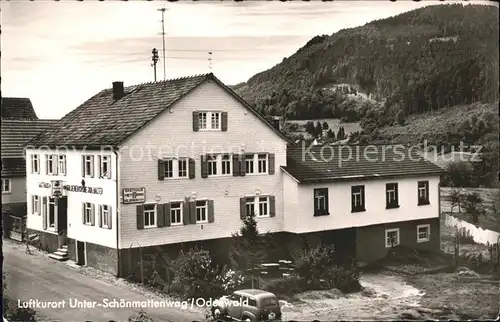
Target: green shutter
{"x": 92, "y": 216}
{"x": 99, "y": 216}
{"x": 192, "y": 212}
{"x": 272, "y": 206}
{"x": 236, "y": 165}
{"x": 243, "y": 209}
{"x": 210, "y": 211}
{"x": 224, "y": 121}
{"x": 110, "y": 217}
{"x": 195, "y": 122}
{"x": 83, "y": 166}
{"x": 185, "y": 213}
{"x": 160, "y": 215}
{"x": 243, "y": 168}
{"x": 192, "y": 168}
{"x": 83, "y": 213}
{"x": 161, "y": 170}
{"x": 140, "y": 216}
{"x": 166, "y": 214}
{"x": 204, "y": 166}
{"x": 271, "y": 161}
{"x": 327, "y": 205}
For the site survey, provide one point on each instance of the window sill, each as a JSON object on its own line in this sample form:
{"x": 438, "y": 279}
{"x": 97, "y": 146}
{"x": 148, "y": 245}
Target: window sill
{"x": 319, "y": 214}
{"x": 256, "y": 174}
{"x": 266, "y": 216}
{"x": 423, "y": 240}
{"x": 358, "y": 210}
{"x": 176, "y": 224}
{"x": 149, "y": 227}
{"x": 423, "y": 203}
{"x": 87, "y": 224}
{"x": 6, "y": 192}
{"x": 209, "y": 130}
{"x": 392, "y": 207}
{"x": 390, "y": 246}
{"x": 201, "y": 222}
{"x": 174, "y": 178}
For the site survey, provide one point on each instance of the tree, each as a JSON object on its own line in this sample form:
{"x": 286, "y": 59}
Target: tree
{"x": 141, "y": 316}
{"x": 319, "y": 129}
{"x": 340, "y": 134}
{"x": 310, "y": 129}
{"x": 473, "y": 205}
{"x": 325, "y": 126}
{"x": 330, "y": 134}
{"x": 248, "y": 248}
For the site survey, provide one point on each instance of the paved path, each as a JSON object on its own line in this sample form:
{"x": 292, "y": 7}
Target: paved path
{"x": 37, "y": 278}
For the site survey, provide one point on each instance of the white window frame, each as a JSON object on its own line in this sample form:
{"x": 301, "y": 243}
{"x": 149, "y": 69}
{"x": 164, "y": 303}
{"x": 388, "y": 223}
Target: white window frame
{"x": 150, "y": 213}
{"x": 35, "y": 204}
{"x": 89, "y": 159}
{"x": 4, "y": 181}
{"x": 200, "y": 208}
{"x": 61, "y": 165}
{"x": 426, "y": 239}
{"x": 387, "y": 231}
{"x": 320, "y": 200}
{"x": 206, "y": 121}
{"x": 212, "y": 165}
{"x": 220, "y": 163}
{"x": 105, "y": 159}
{"x": 104, "y": 216}
{"x": 262, "y": 159}
{"x": 173, "y": 168}
{"x": 256, "y": 202}
{"x": 423, "y": 189}
{"x": 391, "y": 194}
{"x": 263, "y": 202}
{"x": 88, "y": 214}
{"x": 250, "y": 201}
{"x": 175, "y": 211}
{"x": 51, "y": 163}
{"x": 35, "y": 163}
{"x": 358, "y": 199}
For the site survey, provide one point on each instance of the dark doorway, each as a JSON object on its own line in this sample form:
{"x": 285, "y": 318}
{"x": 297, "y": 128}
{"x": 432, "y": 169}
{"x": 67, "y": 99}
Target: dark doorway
{"x": 62, "y": 220}
{"x": 52, "y": 212}
{"x": 80, "y": 253}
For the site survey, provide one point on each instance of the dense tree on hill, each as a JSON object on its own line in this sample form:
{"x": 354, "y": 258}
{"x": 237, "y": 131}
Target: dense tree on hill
{"x": 421, "y": 60}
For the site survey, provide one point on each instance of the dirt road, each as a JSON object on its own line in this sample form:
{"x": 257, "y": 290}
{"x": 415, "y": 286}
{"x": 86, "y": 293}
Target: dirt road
{"x": 35, "y": 277}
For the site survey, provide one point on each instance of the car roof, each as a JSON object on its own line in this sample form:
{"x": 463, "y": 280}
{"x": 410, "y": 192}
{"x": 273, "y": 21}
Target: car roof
{"x": 254, "y": 292}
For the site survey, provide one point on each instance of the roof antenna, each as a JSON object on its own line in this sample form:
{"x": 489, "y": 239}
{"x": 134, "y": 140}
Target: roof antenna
{"x": 210, "y": 61}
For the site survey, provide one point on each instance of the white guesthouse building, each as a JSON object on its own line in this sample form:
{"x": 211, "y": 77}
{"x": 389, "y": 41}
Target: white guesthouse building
{"x": 157, "y": 167}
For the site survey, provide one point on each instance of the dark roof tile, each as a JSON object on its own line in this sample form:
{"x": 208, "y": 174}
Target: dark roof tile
{"x": 102, "y": 121}
{"x": 16, "y": 133}
{"x": 353, "y": 162}
{"x": 13, "y": 167}
{"x": 17, "y": 108}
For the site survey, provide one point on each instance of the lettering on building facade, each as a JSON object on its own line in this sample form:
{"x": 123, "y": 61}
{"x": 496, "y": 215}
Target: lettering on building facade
{"x": 134, "y": 195}
{"x": 74, "y": 188}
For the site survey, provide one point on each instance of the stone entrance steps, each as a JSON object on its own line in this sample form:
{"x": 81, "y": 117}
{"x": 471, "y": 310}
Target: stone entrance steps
{"x": 61, "y": 254}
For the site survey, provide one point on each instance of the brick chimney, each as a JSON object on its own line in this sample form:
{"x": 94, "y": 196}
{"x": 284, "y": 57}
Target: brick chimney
{"x": 118, "y": 90}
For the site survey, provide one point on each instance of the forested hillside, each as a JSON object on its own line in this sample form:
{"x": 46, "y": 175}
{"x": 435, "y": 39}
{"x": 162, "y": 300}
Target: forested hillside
{"x": 397, "y": 75}
{"x": 421, "y": 60}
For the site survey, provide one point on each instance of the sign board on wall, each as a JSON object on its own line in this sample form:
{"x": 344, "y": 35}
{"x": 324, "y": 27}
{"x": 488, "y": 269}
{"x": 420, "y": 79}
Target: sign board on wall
{"x": 57, "y": 188}
{"x": 74, "y": 188}
{"x": 134, "y": 195}
{"x": 44, "y": 184}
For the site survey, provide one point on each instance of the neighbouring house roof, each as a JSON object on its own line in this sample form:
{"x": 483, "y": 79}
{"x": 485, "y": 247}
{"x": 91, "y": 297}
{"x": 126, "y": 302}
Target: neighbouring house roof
{"x": 14, "y": 135}
{"x": 355, "y": 162}
{"x": 103, "y": 121}
{"x": 17, "y": 108}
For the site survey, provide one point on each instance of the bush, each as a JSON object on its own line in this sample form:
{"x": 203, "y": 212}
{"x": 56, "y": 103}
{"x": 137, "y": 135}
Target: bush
{"x": 196, "y": 276}
{"x": 286, "y": 286}
{"x": 229, "y": 280}
{"x": 317, "y": 269}
{"x": 140, "y": 317}
{"x": 14, "y": 313}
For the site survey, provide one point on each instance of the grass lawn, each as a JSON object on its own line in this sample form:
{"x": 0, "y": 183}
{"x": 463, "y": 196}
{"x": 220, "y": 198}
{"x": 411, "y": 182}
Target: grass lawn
{"x": 490, "y": 221}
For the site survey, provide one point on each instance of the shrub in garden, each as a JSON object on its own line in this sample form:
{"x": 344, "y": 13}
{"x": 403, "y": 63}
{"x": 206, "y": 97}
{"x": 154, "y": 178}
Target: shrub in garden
{"x": 229, "y": 280}
{"x": 286, "y": 286}
{"x": 195, "y": 275}
{"x": 140, "y": 317}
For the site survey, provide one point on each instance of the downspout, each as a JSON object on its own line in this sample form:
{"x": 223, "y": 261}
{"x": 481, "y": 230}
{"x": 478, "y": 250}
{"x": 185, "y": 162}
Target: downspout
{"x": 119, "y": 270}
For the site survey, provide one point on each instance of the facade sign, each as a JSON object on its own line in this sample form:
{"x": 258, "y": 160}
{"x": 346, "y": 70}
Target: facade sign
{"x": 57, "y": 188}
{"x": 73, "y": 188}
{"x": 134, "y": 195}
{"x": 44, "y": 184}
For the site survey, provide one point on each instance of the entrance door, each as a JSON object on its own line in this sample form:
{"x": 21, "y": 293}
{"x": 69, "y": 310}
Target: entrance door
{"x": 80, "y": 253}
{"x": 62, "y": 219}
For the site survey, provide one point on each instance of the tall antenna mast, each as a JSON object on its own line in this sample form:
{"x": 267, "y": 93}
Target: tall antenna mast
{"x": 210, "y": 61}
{"x": 163, "y": 38}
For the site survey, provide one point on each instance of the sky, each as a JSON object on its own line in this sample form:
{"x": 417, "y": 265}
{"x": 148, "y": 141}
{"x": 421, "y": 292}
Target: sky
{"x": 59, "y": 54}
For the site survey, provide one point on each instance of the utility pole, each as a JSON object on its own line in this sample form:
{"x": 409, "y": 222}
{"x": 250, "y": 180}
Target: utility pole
{"x": 163, "y": 37}
{"x": 155, "y": 60}
{"x": 210, "y": 61}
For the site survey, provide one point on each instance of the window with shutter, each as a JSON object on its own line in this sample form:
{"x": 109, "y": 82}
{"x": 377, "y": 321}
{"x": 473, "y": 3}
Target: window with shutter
{"x": 391, "y": 195}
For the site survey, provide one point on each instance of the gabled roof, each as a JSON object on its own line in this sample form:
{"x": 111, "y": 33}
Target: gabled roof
{"x": 16, "y": 133}
{"x": 103, "y": 121}
{"x": 17, "y": 108}
{"x": 325, "y": 163}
